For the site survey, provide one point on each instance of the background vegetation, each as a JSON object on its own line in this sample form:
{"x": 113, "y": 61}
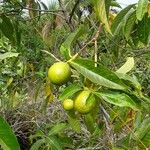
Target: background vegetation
{"x": 109, "y": 54}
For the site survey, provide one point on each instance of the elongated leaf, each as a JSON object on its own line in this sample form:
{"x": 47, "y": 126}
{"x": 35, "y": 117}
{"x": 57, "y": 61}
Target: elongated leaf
{"x": 69, "y": 91}
{"x": 7, "y": 28}
{"x": 65, "y": 48}
{"x": 100, "y": 8}
{"x": 99, "y": 75}
{"x": 37, "y": 145}
{"x": 129, "y": 64}
{"x": 57, "y": 129}
{"x": 142, "y": 130}
{"x": 8, "y": 55}
{"x": 143, "y": 33}
{"x": 130, "y": 80}
{"x": 146, "y": 139}
{"x": 8, "y": 140}
{"x": 138, "y": 120}
{"x": 118, "y": 21}
{"x": 54, "y": 142}
{"x": 141, "y": 9}
{"x": 129, "y": 23}
{"x": 90, "y": 123}
{"x": 115, "y": 4}
{"x": 38, "y": 134}
{"x": 119, "y": 99}
{"x": 74, "y": 122}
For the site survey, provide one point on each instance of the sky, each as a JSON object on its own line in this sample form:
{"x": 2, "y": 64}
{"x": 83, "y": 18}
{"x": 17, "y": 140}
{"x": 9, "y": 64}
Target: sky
{"x": 123, "y": 3}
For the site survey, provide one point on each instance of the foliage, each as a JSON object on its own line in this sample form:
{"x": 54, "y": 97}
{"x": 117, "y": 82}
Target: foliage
{"x": 109, "y": 56}
{"x": 8, "y": 140}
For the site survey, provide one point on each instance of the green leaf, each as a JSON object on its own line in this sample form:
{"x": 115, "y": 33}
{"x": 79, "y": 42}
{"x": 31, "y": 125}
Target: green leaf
{"x": 119, "y": 20}
{"x": 8, "y": 140}
{"x": 69, "y": 91}
{"x": 115, "y": 4}
{"x": 17, "y": 33}
{"x": 99, "y": 75}
{"x": 89, "y": 122}
{"x": 38, "y": 134}
{"x": 129, "y": 24}
{"x": 146, "y": 139}
{"x": 54, "y": 143}
{"x": 130, "y": 80}
{"x": 142, "y": 129}
{"x": 65, "y": 48}
{"x": 66, "y": 141}
{"x": 74, "y": 122}
{"x": 100, "y": 8}
{"x": 141, "y": 9}
{"x": 7, "y": 28}
{"x": 138, "y": 120}
{"x": 8, "y": 55}
{"x": 119, "y": 99}
{"x": 37, "y": 145}
{"x": 129, "y": 64}
{"x": 143, "y": 33}
{"x": 57, "y": 129}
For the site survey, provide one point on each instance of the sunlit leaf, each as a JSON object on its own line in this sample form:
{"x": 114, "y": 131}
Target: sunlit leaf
{"x": 99, "y": 75}
{"x": 8, "y": 55}
{"x": 100, "y": 8}
{"x": 128, "y": 65}
{"x": 141, "y": 9}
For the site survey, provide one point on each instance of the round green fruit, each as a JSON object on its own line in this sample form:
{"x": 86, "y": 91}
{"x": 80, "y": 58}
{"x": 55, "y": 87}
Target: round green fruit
{"x": 59, "y": 73}
{"x": 68, "y": 104}
{"x": 84, "y": 102}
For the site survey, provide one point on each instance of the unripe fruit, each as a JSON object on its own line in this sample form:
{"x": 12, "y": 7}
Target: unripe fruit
{"x": 68, "y": 104}
{"x": 59, "y": 73}
{"x": 84, "y": 102}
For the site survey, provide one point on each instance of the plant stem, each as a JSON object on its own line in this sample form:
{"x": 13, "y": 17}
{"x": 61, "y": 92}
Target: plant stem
{"x": 51, "y": 55}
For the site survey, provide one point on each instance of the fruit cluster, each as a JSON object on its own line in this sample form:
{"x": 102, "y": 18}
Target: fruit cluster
{"x": 60, "y": 73}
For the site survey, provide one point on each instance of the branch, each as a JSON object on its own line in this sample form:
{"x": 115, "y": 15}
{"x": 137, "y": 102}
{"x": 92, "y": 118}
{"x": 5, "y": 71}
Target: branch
{"x": 42, "y": 10}
{"x": 73, "y": 10}
{"x": 108, "y": 125}
{"x": 92, "y": 40}
{"x": 65, "y": 15}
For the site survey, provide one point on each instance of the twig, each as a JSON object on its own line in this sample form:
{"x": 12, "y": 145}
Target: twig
{"x": 107, "y": 123}
{"x": 65, "y": 15}
{"x": 95, "y": 53}
{"x": 42, "y": 10}
{"x": 128, "y": 127}
{"x": 92, "y": 40}
{"x": 51, "y": 55}
{"x": 73, "y": 10}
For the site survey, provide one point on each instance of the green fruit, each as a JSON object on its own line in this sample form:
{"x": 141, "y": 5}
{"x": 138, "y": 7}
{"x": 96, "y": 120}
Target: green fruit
{"x": 68, "y": 104}
{"x": 59, "y": 73}
{"x": 85, "y": 102}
